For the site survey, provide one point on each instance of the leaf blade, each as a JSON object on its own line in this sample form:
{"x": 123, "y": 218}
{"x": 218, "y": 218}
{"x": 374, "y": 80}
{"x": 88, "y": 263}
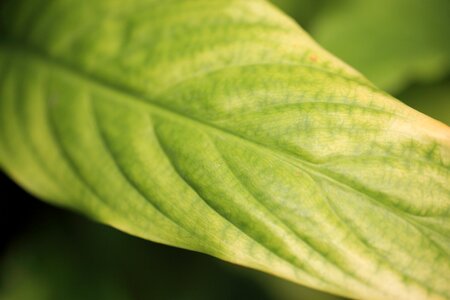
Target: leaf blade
{"x": 178, "y": 173}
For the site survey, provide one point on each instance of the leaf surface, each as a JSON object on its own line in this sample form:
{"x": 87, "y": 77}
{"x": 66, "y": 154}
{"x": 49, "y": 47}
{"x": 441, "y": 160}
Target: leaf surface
{"x": 221, "y": 127}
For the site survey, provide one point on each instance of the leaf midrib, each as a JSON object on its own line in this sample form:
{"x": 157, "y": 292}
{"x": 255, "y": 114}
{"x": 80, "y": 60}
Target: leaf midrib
{"x": 128, "y": 93}
{"x": 139, "y": 99}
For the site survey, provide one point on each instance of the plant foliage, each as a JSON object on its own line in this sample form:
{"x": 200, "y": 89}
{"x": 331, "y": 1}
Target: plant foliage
{"x": 222, "y": 127}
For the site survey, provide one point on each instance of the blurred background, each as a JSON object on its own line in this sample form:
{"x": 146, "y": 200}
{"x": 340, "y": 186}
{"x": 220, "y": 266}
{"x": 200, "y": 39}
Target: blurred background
{"x": 403, "y": 46}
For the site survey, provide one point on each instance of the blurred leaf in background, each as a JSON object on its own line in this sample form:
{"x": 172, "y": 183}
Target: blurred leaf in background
{"x": 393, "y": 43}
{"x": 403, "y": 46}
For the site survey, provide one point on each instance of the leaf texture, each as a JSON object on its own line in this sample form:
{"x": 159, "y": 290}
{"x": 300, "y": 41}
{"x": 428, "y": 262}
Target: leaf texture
{"x": 221, "y": 127}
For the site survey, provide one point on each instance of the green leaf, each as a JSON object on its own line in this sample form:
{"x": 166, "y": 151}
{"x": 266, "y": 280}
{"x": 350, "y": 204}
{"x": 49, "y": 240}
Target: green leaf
{"x": 221, "y": 127}
{"x": 393, "y": 43}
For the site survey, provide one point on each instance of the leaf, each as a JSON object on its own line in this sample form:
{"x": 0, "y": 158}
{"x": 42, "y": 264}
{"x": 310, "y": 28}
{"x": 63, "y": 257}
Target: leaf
{"x": 221, "y": 127}
{"x": 393, "y": 43}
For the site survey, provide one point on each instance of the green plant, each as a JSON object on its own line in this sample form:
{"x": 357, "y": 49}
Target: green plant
{"x": 221, "y": 127}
